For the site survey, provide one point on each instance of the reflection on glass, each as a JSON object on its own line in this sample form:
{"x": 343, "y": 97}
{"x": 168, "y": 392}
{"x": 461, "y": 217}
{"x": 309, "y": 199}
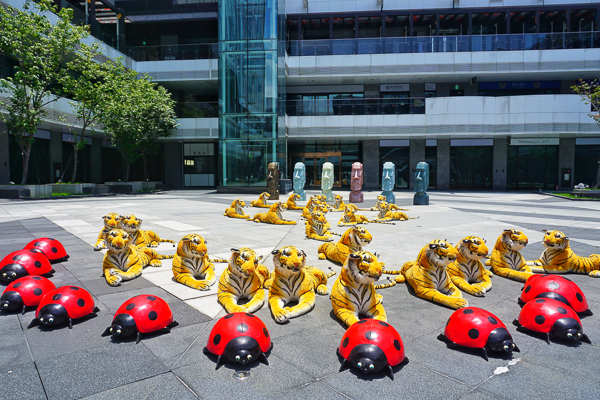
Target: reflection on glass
{"x": 471, "y": 167}
{"x": 532, "y": 167}
{"x": 400, "y": 156}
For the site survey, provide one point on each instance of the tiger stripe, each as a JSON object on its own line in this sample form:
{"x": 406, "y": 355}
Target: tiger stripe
{"x": 506, "y": 261}
{"x": 467, "y": 272}
{"x": 351, "y": 241}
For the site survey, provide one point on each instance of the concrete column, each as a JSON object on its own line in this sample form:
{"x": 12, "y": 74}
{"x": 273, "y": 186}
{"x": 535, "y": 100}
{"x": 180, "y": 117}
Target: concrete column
{"x": 4, "y": 155}
{"x": 500, "y": 163}
{"x": 96, "y": 156}
{"x": 566, "y": 159}
{"x": 443, "y": 164}
{"x": 417, "y": 155}
{"x": 371, "y": 167}
{"x": 173, "y": 165}
{"x": 56, "y": 155}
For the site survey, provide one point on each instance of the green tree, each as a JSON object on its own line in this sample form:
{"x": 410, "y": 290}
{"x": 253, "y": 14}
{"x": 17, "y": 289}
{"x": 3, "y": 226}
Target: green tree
{"x": 590, "y": 94}
{"x": 41, "y": 48}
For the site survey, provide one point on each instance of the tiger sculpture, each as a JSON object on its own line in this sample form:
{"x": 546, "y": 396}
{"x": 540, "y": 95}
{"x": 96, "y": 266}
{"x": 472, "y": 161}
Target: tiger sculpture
{"x": 385, "y": 213}
{"x": 317, "y": 206}
{"x": 236, "y": 210}
{"x": 339, "y": 204}
{"x": 467, "y": 272}
{"x": 428, "y": 276}
{"x": 350, "y": 217}
{"x": 244, "y": 278}
{"x": 506, "y": 260}
{"x": 262, "y": 201}
{"x": 316, "y": 227}
{"x": 191, "y": 265}
{"x": 381, "y": 198}
{"x": 111, "y": 221}
{"x": 351, "y": 241}
{"x": 558, "y": 258}
{"x": 132, "y": 224}
{"x": 123, "y": 261}
{"x": 291, "y": 202}
{"x": 354, "y": 292}
{"x": 293, "y": 280}
{"x": 273, "y": 216}
{"x": 312, "y": 202}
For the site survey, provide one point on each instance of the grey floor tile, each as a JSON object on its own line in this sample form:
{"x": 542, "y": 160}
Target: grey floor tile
{"x": 21, "y": 382}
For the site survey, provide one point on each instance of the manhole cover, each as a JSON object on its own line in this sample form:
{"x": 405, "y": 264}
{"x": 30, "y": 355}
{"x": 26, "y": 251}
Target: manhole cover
{"x": 241, "y": 375}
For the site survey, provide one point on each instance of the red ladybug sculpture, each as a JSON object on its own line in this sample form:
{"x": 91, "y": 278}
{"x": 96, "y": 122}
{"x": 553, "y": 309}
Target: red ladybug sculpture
{"x": 476, "y": 328}
{"x": 557, "y": 288}
{"x": 22, "y": 263}
{"x": 142, "y": 314}
{"x": 551, "y": 317}
{"x": 239, "y": 337}
{"x": 52, "y": 248}
{"x": 372, "y": 346}
{"x": 25, "y": 292}
{"x": 65, "y": 303}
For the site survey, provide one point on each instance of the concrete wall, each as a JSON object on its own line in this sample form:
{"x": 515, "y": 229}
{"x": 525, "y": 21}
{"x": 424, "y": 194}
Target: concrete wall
{"x": 372, "y": 175}
{"x": 173, "y": 165}
{"x": 4, "y": 156}
{"x": 443, "y": 164}
{"x": 417, "y": 155}
{"x": 499, "y": 163}
{"x": 566, "y": 159}
{"x": 56, "y": 154}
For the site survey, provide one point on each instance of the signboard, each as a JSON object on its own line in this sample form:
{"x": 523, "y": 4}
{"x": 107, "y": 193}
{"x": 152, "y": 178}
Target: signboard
{"x": 519, "y": 85}
{"x": 394, "y": 143}
{"x": 399, "y": 87}
{"x": 430, "y": 87}
{"x": 535, "y": 142}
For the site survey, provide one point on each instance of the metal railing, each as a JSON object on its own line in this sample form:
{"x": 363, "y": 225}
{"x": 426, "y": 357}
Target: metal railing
{"x": 209, "y": 109}
{"x": 413, "y": 105}
{"x": 174, "y": 52}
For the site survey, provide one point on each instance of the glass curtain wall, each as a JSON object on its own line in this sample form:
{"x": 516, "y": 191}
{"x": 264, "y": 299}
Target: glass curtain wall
{"x": 248, "y": 93}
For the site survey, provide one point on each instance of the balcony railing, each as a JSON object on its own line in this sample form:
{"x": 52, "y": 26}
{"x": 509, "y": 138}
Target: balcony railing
{"x": 415, "y": 105}
{"x": 443, "y": 44}
{"x": 208, "y": 109}
{"x": 174, "y": 52}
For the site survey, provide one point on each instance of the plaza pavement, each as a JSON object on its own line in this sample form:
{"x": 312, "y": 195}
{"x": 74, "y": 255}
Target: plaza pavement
{"x": 79, "y": 363}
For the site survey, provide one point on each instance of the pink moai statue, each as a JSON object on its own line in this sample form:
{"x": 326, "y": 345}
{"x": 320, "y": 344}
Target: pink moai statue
{"x": 356, "y": 183}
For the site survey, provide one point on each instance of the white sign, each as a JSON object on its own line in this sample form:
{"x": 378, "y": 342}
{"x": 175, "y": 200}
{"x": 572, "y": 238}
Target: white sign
{"x": 400, "y": 87}
{"x": 430, "y": 87}
{"x": 534, "y": 142}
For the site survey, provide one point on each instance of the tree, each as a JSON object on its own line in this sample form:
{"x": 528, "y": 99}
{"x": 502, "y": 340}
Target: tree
{"x": 590, "y": 93}
{"x": 136, "y": 113}
{"x": 41, "y": 48}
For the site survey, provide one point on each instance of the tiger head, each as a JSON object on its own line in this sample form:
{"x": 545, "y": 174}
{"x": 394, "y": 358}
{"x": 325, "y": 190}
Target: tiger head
{"x": 237, "y": 205}
{"x": 317, "y": 218}
{"x": 277, "y": 208}
{"x": 438, "y": 253}
{"x": 514, "y": 239}
{"x": 264, "y": 196}
{"x": 356, "y": 237}
{"x": 381, "y": 197}
{"x": 131, "y": 223}
{"x": 472, "y": 248}
{"x": 243, "y": 261}
{"x": 111, "y": 220}
{"x": 555, "y": 240}
{"x": 294, "y": 197}
{"x": 349, "y": 212}
{"x": 192, "y": 246}
{"x": 117, "y": 240}
{"x": 289, "y": 260}
{"x": 338, "y": 199}
{"x": 363, "y": 267}
{"x": 322, "y": 198}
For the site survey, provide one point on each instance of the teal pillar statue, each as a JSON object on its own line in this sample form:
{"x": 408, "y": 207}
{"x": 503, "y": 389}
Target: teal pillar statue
{"x": 388, "y": 179}
{"x": 421, "y": 183}
{"x": 300, "y": 180}
{"x": 327, "y": 181}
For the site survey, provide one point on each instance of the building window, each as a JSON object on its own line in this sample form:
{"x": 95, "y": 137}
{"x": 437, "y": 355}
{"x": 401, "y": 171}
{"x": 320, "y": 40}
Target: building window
{"x": 431, "y": 159}
{"x": 532, "y": 167}
{"x": 471, "y": 167}
{"x": 400, "y": 156}
{"x": 199, "y": 164}
{"x": 587, "y": 159}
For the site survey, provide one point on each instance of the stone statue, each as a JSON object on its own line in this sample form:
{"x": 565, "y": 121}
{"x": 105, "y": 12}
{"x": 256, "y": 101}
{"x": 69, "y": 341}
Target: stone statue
{"x": 388, "y": 179}
{"x": 273, "y": 181}
{"x": 327, "y": 181}
{"x": 356, "y": 183}
{"x": 421, "y": 183}
{"x": 300, "y": 180}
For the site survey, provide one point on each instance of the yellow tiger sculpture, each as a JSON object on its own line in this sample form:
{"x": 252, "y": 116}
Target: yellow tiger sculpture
{"x": 273, "y": 216}
{"x": 236, "y": 210}
{"x": 467, "y": 272}
{"x": 244, "y": 278}
{"x": 385, "y": 213}
{"x": 293, "y": 280}
{"x": 351, "y": 242}
{"x": 392, "y": 207}
{"x": 350, "y": 217}
{"x": 262, "y": 201}
{"x": 191, "y": 265}
{"x": 111, "y": 221}
{"x": 312, "y": 202}
{"x": 123, "y": 262}
{"x": 506, "y": 260}
{"x": 428, "y": 276}
{"x": 316, "y": 227}
{"x": 317, "y": 206}
{"x": 354, "y": 291}
{"x": 291, "y": 202}
{"x": 132, "y": 224}
{"x": 339, "y": 204}
{"x": 558, "y": 258}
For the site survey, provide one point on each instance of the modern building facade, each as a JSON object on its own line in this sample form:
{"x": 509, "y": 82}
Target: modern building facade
{"x": 481, "y": 90}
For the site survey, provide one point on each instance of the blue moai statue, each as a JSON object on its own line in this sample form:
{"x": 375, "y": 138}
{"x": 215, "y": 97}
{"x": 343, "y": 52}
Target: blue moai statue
{"x": 388, "y": 179}
{"x": 300, "y": 180}
{"x": 421, "y": 183}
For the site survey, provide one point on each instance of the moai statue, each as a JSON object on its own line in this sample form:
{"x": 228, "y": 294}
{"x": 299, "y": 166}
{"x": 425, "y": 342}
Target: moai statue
{"x": 273, "y": 181}
{"x": 300, "y": 180}
{"x": 388, "y": 179}
{"x": 327, "y": 181}
{"x": 421, "y": 183}
{"x": 356, "y": 183}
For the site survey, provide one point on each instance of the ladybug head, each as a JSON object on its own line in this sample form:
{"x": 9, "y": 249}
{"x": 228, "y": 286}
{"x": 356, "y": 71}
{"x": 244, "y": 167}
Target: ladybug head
{"x": 10, "y": 301}
{"x": 123, "y": 325}
{"x": 501, "y": 341}
{"x": 569, "y": 329}
{"x": 243, "y": 350}
{"x": 52, "y": 314}
{"x": 368, "y": 358}
{"x": 10, "y": 272}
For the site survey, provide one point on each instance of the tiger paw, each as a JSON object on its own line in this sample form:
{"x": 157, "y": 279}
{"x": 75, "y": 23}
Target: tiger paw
{"x": 114, "y": 280}
{"x": 281, "y": 316}
{"x": 114, "y": 272}
{"x": 155, "y": 263}
{"x": 476, "y": 291}
{"x": 459, "y": 303}
{"x": 380, "y": 298}
{"x": 322, "y": 256}
{"x": 99, "y": 247}
{"x": 203, "y": 286}
{"x": 489, "y": 273}
{"x": 153, "y": 244}
{"x": 236, "y": 308}
{"x": 322, "y": 289}
{"x": 595, "y": 274}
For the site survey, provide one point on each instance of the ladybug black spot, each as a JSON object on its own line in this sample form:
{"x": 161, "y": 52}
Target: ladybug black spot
{"x": 152, "y": 315}
{"x": 17, "y": 257}
{"x": 57, "y": 296}
{"x": 130, "y": 306}
{"x": 54, "y": 240}
{"x": 74, "y": 288}
{"x": 579, "y": 297}
{"x": 553, "y": 285}
{"x": 561, "y": 310}
{"x": 492, "y": 320}
{"x": 527, "y": 289}
{"x": 383, "y": 324}
{"x": 80, "y": 302}
{"x": 37, "y": 244}
{"x": 37, "y": 291}
{"x": 345, "y": 342}
{"x": 216, "y": 339}
{"x": 540, "y": 319}
{"x": 242, "y": 328}
{"x": 37, "y": 264}
{"x": 468, "y": 311}
{"x": 370, "y": 335}
{"x": 228, "y": 316}
{"x": 362, "y": 321}
{"x": 266, "y": 332}
{"x": 566, "y": 279}
{"x": 151, "y": 298}
{"x": 54, "y": 250}
{"x": 16, "y": 285}
{"x": 540, "y": 301}
{"x": 250, "y": 315}
{"x": 397, "y": 345}
{"x": 37, "y": 278}
{"x": 473, "y": 333}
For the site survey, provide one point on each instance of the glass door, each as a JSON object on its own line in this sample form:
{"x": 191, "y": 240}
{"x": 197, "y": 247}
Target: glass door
{"x": 314, "y": 166}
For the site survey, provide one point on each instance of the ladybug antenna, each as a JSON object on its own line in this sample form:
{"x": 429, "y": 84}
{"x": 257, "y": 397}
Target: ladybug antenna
{"x": 484, "y": 354}
{"x": 263, "y": 359}
{"x": 220, "y": 362}
{"x": 345, "y": 365}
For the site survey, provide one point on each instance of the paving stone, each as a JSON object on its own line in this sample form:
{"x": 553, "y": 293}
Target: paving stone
{"x": 21, "y": 382}
{"x": 315, "y": 390}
